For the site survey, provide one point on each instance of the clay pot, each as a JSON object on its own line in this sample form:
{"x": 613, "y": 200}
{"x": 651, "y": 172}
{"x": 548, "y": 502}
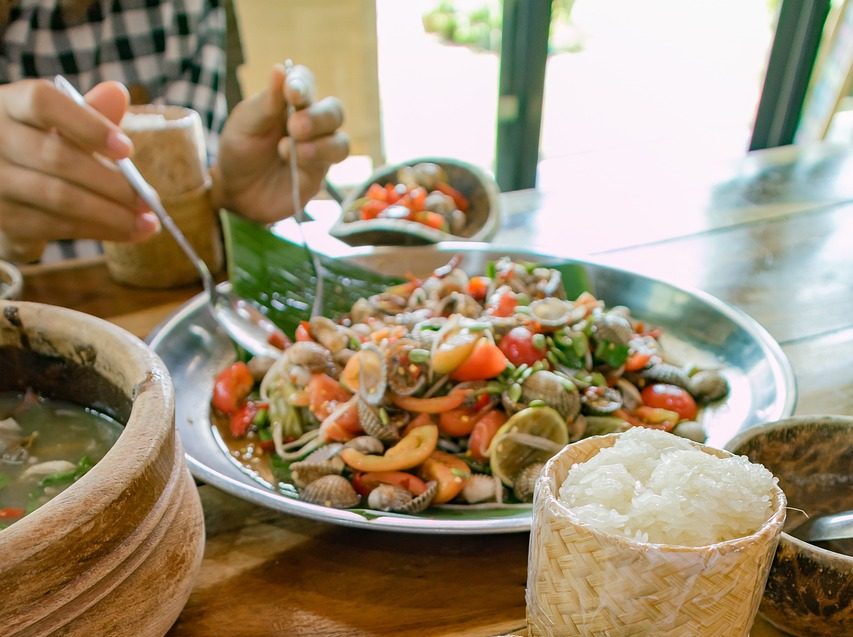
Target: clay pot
{"x": 810, "y": 587}
{"x": 117, "y": 552}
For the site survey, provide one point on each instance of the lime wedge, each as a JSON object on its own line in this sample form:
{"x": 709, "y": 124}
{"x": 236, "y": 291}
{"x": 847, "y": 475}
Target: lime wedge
{"x": 532, "y": 435}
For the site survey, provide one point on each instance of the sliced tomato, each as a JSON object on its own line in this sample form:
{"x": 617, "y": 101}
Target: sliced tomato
{"x": 376, "y": 191}
{"x": 418, "y": 421}
{"x": 518, "y": 347}
{"x": 366, "y": 481}
{"x": 458, "y": 198}
{"x": 242, "y": 419}
{"x": 303, "y": 332}
{"x": 449, "y": 472}
{"x": 324, "y": 396}
{"x": 504, "y": 304}
{"x": 485, "y": 361}
{"x": 231, "y": 387}
{"x": 637, "y": 361}
{"x": 478, "y": 287}
{"x": 484, "y": 430}
{"x": 670, "y": 397}
{"x": 457, "y": 422}
{"x": 435, "y": 405}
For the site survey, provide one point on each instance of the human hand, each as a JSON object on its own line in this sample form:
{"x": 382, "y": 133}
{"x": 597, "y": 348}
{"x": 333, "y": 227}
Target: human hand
{"x": 252, "y": 173}
{"x": 52, "y": 186}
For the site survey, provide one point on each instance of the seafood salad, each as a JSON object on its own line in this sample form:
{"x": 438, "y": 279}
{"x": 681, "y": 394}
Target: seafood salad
{"x": 451, "y": 391}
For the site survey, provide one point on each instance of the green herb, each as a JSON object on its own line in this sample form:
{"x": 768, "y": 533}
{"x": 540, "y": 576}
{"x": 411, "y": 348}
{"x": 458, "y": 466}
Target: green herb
{"x": 418, "y": 355}
{"x": 613, "y": 354}
{"x": 491, "y": 269}
{"x": 280, "y": 468}
{"x": 67, "y": 477}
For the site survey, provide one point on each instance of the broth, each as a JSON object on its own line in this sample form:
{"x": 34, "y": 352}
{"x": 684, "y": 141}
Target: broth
{"x": 45, "y": 446}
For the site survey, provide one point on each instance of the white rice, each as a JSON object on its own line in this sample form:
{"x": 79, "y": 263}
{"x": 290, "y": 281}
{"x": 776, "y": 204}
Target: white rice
{"x": 651, "y": 486}
{"x": 143, "y": 121}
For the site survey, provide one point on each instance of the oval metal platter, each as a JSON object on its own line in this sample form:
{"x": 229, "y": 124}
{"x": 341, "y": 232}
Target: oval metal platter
{"x": 698, "y": 329}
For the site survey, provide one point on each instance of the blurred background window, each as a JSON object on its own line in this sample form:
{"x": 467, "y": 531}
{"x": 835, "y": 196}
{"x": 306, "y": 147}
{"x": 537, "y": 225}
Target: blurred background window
{"x": 656, "y": 85}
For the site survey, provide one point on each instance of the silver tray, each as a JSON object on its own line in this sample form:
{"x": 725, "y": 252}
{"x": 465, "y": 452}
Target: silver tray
{"x": 698, "y": 328}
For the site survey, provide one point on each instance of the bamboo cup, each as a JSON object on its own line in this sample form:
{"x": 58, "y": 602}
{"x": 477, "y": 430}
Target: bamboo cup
{"x": 588, "y": 583}
{"x": 169, "y": 150}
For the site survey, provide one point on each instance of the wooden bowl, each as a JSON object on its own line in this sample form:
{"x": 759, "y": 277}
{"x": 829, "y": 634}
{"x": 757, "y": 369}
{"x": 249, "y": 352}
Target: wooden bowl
{"x": 115, "y": 553}
{"x": 810, "y": 589}
{"x": 11, "y": 281}
{"x": 483, "y": 216}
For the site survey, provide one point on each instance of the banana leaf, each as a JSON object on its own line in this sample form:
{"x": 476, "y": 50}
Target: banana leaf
{"x": 278, "y": 275}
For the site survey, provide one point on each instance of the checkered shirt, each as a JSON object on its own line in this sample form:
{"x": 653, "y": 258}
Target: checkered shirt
{"x": 168, "y": 52}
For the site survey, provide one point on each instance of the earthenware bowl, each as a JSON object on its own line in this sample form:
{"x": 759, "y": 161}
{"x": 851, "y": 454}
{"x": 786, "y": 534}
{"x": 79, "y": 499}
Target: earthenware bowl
{"x": 115, "y": 553}
{"x": 809, "y": 591}
{"x": 483, "y": 216}
{"x": 11, "y": 281}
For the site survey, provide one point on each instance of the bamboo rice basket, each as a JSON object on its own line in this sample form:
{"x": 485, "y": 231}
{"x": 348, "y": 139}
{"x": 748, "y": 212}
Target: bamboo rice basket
{"x": 172, "y": 159}
{"x": 588, "y": 583}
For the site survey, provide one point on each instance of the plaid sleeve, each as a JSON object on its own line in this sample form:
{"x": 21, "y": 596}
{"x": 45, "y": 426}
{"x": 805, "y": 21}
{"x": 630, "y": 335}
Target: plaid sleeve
{"x": 199, "y": 27}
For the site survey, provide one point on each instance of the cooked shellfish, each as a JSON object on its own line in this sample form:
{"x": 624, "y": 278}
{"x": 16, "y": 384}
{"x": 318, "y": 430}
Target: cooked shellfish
{"x": 331, "y": 491}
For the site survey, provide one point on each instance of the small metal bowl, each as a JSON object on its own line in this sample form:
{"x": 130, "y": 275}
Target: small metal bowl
{"x": 11, "y": 281}
{"x": 809, "y": 589}
{"x": 483, "y": 216}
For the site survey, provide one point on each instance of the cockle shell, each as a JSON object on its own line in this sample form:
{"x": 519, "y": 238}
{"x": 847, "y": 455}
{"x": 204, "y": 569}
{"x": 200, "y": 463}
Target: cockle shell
{"x": 387, "y": 497}
{"x": 666, "y": 373}
{"x": 328, "y": 333}
{"x": 366, "y": 444}
{"x": 305, "y": 472}
{"x": 554, "y": 391}
{"x": 421, "y": 502}
{"x": 525, "y": 481}
{"x": 372, "y": 374}
{"x": 707, "y": 385}
{"x": 372, "y": 424}
{"x": 331, "y": 491}
{"x": 614, "y": 328}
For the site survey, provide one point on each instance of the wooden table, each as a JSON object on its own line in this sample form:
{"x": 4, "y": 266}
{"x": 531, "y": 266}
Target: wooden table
{"x": 772, "y": 235}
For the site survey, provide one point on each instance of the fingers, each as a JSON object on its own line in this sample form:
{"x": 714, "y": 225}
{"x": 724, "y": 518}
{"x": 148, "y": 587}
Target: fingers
{"x": 322, "y": 118}
{"x": 51, "y": 154}
{"x": 111, "y": 99}
{"x": 327, "y": 150}
{"x": 299, "y": 87}
{"x": 39, "y": 104}
{"x": 38, "y": 206}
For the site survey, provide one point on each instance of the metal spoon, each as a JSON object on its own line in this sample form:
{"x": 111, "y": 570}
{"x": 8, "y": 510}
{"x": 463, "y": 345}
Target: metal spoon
{"x": 822, "y": 528}
{"x": 243, "y": 322}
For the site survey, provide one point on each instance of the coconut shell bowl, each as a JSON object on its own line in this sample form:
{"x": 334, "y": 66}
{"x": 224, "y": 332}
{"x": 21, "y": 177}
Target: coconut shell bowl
{"x": 360, "y": 225}
{"x": 115, "y": 553}
{"x": 809, "y": 591}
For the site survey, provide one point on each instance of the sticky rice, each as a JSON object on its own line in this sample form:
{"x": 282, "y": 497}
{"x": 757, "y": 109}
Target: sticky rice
{"x": 651, "y": 486}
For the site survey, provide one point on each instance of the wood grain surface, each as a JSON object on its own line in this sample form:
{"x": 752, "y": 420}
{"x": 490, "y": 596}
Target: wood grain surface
{"x": 772, "y": 236}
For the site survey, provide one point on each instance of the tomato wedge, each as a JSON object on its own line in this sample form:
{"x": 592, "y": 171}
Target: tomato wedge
{"x": 670, "y": 397}
{"x": 485, "y": 361}
{"x": 411, "y": 451}
{"x": 231, "y": 386}
{"x": 457, "y": 422}
{"x": 324, "y": 396}
{"x": 484, "y": 430}
{"x": 448, "y": 471}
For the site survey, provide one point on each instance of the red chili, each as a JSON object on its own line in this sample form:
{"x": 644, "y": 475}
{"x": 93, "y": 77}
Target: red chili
{"x": 231, "y": 386}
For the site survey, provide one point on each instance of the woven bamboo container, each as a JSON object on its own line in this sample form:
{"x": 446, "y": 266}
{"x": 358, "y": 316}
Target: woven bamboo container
{"x": 587, "y": 583}
{"x": 171, "y": 156}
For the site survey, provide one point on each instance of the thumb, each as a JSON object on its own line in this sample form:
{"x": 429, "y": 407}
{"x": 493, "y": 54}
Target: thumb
{"x": 262, "y": 112}
{"x": 110, "y": 99}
